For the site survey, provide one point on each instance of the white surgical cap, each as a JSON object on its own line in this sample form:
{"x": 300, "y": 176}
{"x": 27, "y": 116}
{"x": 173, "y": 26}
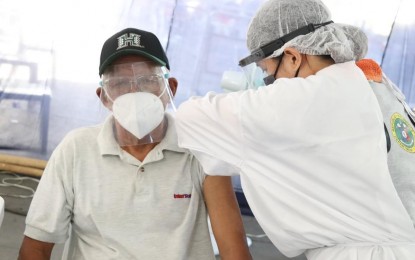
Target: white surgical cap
{"x": 277, "y": 18}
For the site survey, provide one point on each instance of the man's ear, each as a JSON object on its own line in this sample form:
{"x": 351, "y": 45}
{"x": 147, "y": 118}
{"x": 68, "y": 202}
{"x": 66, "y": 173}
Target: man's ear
{"x": 98, "y": 91}
{"x": 293, "y": 57}
{"x": 101, "y": 95}
{"x": 173, "y": 83}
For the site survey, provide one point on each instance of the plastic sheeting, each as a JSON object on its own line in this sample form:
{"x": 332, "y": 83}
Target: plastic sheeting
{"x": 49, "y": 55}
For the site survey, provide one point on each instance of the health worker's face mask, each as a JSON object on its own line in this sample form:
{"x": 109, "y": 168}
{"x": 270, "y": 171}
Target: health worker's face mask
{"x": 138, "y": 101}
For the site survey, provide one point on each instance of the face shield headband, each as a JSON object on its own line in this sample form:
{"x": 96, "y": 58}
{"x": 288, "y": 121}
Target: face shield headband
{"x": 255, "y": 76}
{"x": 268, "y": 49}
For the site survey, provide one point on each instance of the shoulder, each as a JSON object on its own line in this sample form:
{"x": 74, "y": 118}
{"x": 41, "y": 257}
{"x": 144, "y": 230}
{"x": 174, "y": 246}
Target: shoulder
{"x": 83, "y": 134}
{"x": 342, "y": 73}
{"x": 77, "y": 140}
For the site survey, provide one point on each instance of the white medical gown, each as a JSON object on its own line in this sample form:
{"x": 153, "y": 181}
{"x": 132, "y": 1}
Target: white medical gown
{"x": 311, "y": 154}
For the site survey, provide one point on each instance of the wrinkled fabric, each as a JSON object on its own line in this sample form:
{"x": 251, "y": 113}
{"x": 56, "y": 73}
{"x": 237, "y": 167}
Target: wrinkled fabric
{"x": 311, "y": 154}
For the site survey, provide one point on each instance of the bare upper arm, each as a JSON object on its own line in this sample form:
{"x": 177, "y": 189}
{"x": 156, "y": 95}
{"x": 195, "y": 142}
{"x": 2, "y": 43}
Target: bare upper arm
{"x": 34, "y": 249}
{"x": 225, "y": 217}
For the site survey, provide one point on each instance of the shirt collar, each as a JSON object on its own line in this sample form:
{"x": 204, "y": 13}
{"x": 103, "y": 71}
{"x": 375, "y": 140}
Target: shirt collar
{"x": 169, "y": 141}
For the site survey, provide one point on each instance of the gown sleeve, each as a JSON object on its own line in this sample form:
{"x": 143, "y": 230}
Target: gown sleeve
{"x": 210, "y": 127}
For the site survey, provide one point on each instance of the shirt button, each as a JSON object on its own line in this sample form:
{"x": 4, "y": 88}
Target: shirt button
{"x": 142, "y": 169}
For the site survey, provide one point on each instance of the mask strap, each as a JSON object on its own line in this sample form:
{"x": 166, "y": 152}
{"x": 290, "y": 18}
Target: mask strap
{"x": 106, "y": 94}
{"x": 271, "y": 78}
{"x": 296, "y": 73}
{"x": 278, "y": 67}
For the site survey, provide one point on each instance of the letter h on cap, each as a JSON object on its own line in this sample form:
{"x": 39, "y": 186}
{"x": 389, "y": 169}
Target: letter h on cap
{"x": 131, "y": 39}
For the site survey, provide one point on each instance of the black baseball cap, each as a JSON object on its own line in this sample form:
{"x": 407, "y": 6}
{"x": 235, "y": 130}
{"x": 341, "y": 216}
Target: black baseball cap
{"x": 132, "y": 41}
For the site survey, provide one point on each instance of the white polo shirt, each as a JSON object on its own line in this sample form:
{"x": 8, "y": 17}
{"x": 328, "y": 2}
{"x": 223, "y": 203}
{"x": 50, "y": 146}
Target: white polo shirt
{"x": 119, "y": 207}
{"x": 312, "y": 158}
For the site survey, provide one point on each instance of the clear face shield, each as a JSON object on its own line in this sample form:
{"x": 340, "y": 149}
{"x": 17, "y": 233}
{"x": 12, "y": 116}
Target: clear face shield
{"x": 255, "y": 75}
{"x": 138, "y": 95}
{"x": 251, "y": 76}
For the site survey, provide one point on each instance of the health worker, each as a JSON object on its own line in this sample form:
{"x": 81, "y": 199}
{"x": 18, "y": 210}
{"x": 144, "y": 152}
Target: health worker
{"x": 310, "y": 146}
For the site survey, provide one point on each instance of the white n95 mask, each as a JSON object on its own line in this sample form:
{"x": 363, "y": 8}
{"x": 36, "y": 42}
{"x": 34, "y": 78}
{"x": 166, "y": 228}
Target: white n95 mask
{"x": 139, "y": 113}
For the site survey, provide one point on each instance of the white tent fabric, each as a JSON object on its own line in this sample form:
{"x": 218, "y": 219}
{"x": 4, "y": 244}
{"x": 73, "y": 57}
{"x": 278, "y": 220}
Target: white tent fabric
{"x": 49, "y": 54}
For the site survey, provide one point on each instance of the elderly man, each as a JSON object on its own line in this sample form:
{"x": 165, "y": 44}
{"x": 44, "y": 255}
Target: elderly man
{"x": 125, "y": 189}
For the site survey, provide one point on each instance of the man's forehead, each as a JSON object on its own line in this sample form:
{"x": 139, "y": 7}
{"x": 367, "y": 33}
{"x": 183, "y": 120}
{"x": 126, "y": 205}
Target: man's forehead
{"x": 130, "y": 58}
{"x": 133, "y": 68}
